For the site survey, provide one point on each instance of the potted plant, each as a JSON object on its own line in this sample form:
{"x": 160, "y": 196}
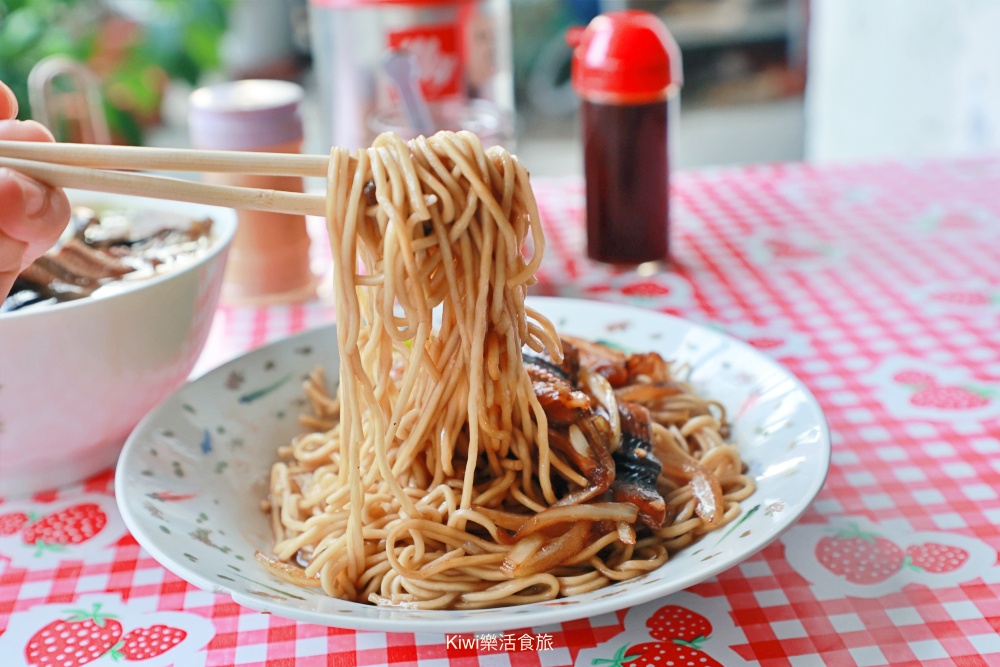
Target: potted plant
{"x": 133, "y": 46}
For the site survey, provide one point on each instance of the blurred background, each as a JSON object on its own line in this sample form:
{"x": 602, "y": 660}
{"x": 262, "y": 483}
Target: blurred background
{"x": 765, "y": 80}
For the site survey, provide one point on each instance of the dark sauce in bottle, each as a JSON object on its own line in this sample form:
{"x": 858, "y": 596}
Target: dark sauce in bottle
{"x": 627, "y": 172}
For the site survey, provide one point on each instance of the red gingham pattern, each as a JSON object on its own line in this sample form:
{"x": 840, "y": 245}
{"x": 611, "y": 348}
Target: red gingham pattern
{"x": 841, "y": 257}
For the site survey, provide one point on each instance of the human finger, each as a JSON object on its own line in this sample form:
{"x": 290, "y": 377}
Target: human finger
{"x": 31, "y": 212}
{"x": 11, "y": 260}
{"x": 8, "y": 102}
{"x": 24, "y": 130}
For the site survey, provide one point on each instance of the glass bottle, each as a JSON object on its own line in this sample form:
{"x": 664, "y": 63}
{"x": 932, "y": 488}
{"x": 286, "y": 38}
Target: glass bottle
{"x": 627, "y": 70}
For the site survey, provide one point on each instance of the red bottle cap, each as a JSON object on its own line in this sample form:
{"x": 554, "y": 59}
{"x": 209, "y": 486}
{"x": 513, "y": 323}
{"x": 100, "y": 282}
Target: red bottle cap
{"x": 626, "y": 57}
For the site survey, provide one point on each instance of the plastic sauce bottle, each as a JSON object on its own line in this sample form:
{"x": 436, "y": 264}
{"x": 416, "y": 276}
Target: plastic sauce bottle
{"x": 627, "y": 70}
{"x": 269, "y": 258}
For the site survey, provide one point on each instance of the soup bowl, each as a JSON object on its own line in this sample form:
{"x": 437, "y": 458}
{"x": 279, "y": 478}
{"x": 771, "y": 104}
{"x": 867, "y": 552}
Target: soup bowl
{"x": 76, "y": 377}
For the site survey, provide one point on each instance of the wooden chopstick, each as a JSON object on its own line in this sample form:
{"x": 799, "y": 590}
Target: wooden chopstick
{"x": 167, "y": 159}
{"x": 159, "y": 187}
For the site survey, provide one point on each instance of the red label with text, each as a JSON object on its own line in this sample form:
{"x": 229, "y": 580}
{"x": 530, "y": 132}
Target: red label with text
{"x": 435, "y": 49}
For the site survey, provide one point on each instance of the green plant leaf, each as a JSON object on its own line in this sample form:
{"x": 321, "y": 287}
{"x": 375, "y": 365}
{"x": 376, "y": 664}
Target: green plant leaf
{"x": 179, "y": 37}
{"x": 19, "y": 32}
{"x": 123, "y": 124}
{"x": 201, "y": 44}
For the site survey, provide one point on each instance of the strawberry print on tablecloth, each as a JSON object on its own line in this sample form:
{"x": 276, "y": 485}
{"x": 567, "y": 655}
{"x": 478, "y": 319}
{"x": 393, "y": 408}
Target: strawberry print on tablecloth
{"x": 911, "y": 388}
{"x": 663, "y": 291}
{"x": 101, "y": 630}
{"x": 774, "y": 340}
{"x": 956, "y": 217}
{"x": 844, "y": 196}
{"x": 677, "y": 630}
{"x": 794, "y": 251}
{"x": 38, "y": 535}
{"x": 851, "y": 556}
{"x": 976, "y": 298}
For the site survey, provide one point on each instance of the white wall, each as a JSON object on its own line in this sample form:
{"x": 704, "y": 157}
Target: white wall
{"x": 903, "y": 78}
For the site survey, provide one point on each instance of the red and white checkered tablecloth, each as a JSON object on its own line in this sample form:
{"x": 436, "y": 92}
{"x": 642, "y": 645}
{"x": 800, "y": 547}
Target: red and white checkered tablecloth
{"x": 878, "y": 285}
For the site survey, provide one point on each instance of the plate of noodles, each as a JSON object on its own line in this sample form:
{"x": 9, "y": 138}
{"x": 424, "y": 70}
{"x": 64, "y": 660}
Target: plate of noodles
{"x": 195, "y": 484}
{"x": 454, "y": 454}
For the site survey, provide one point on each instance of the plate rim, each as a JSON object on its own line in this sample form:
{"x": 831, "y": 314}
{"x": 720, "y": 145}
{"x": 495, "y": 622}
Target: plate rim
{"x": 456, "y": 620}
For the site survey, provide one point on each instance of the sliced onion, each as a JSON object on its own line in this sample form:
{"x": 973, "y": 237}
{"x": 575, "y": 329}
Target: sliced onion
{"x": 503, "y": 519}
{"x": 707, "y": 490}
{"x": 626, "y": 533}
{"x": 640, "y": 393}
{"x": 704, "y": 485}
{"x": 521, "y": 552}
{"x": 550, "y": 555}
{"x": 676, "y": 466}
{"x": 578, "y": 441}
{"x": 601, "y": 391}
{"x": 287, "y": 571}
{"x": 616, "y": 512}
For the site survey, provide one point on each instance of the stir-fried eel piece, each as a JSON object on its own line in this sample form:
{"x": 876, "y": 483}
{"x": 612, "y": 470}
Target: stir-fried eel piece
{"x": 102, "y": 251}
{"x": 600, "y": 359}
{"x": 570, "y": 365}
{"x": 647, "y": 367}
{"x": 637, "y": 468}
{"x": 578, "y": 430}
{"x": 77, "y": 263}
{"x": 568, "y": 370}
{"x": 585, "y": 446}
{"x": 544, "y": 363}
{"x": 575, "y": 430}
{"x": 562, "y": 403}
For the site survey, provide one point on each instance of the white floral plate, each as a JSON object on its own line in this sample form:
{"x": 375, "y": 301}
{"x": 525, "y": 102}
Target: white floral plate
{"x": 192, "y": 475}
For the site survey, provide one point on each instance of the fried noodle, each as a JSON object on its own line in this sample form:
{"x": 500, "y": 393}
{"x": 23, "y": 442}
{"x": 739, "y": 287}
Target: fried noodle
{"x": 434, "y": 477}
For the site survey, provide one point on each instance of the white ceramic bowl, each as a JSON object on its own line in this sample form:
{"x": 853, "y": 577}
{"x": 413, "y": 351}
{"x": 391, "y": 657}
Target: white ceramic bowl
{"x": 76, "y": 377}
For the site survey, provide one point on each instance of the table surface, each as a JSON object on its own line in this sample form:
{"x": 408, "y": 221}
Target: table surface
{"x": 878, "y": 285}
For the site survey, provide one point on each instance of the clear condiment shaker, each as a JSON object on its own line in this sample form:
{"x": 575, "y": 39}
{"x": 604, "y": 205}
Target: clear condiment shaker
{"x": 269, "y": 256}
{"x": 627, "y": 70}
{"x": 462, "y": 54}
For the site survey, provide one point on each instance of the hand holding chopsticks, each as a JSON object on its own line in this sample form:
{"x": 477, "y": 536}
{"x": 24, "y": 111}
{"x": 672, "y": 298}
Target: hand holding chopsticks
{"x": 91, "y": 167}
{"x": 32, "y": 216}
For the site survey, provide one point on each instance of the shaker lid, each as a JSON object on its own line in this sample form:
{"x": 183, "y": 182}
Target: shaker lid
{"x": 626, "y": 57}
{"x": 245, "y": 115}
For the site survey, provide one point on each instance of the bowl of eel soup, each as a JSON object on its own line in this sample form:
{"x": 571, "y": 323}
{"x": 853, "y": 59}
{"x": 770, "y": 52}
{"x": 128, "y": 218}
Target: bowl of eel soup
{"x": 100, "y": 329}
